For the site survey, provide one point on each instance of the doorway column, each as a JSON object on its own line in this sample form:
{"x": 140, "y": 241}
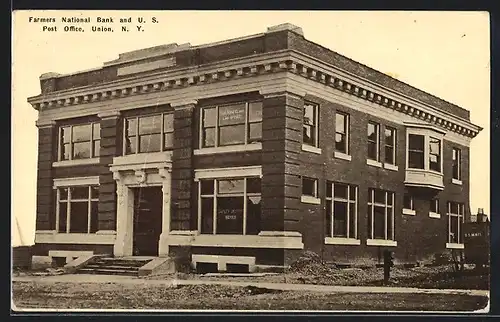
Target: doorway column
{"x": 124, "y": 218}
{"x": 166, "y": 175}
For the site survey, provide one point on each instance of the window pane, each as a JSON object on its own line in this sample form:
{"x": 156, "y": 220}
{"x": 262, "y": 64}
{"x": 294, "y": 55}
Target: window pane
{"x": 130, "y": 145}
{"x": 389, "y": 154}
{"x": 94, "y": 190}
{"x": 79, "y": 217}
{"x": 150, "y": 143}
{"x": 65, "y": 153}
{"x": 380, "y": 196}
{"x": 453, "y": 229}
{"x": 372, "y": 150}
{"x": 390, "y": 197}
{"x": 370, "y": 220}
{"x": 168, "y": 141}
{"x": 389, "y": 224}
{"x": 209, "y": 117}
{"x": 232, "y": 114}
{"x": 340, "y": 143}
{"x": 434, "y": 154}
{"x": 308, "y": 187}
{"x": 416, "y": 159}
{"x": 309, "y": 114}
{"x": 407, "y": 202}
{"x": 207, "y": 215}
{"x": 81, "y": 150}
{"x": 340, "y": 219}
{"x": 309, "y": 134}
{"x": 97, "y": 148}
{"x": 455, "y": 170}
{"x": 352, "y": 193}
{"x": 340, "y": 123}
{"x": 63, "y": 193}
{"x": 81, "y": 133}
{"x": 389, "y": 137}
{"x": 207, "y": 187}
{"x": 372, "y": 132}
{"x": 62, "y": 217}
{"x": 94, "y": 212}
{"x": 230, "y": 186}
{"x": 230, "y": 215}
{"x": 416, "y": 142}
{"x": 352, "y": 220}
{"x": 340, "y": 190}
{"x": 255, "y": 112}
{"x": 79, "y": 193}
{"x": 435, "y": 206}
{"x": 168, "y": 122}
{"x": 65, "y": 134}
{"x": 379, "y": 222}
{"x": 454, "y": 208}
{"x": 329, "y": 189}
{"x": 150, "y": 124}
{"x": 253, "y": 185}
{"x": 328, "y": 214}
{"x": 208, "y": 137}
{"x": 234, "y": 134}
{"x": 131, "y": 127}
{"x": 96, "y": 131}
{"x": 253, "y": 215}
{"x": 255, "y": 132}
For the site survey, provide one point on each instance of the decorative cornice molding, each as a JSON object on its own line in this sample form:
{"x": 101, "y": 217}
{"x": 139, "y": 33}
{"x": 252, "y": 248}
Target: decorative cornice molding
{"x": 44, "y": 124}
{"x": 109, "y": 115}
{"x": 184, "y": 104}
{"x": 276, "y": 64}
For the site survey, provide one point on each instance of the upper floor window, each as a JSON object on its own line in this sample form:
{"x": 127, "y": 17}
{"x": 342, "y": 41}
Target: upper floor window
{"x": 390, "y": 145}
{"x": 434, "y": 206}
{"x": 341, "y": 210}
{"x": 380, "y": 214}
{"x": 232, "y": 124}
{"x": 408, "y": 202}
{"x": 149, "y": 133}
{"x": 373, "y": 141}
{"x": 455, "y": 214}
{"x": 457, "y": 156}
{"x": 416, "y": 154}
{"x": 310, "y": 187}
{"x": 435, "y": 154}
{"x": 424, "y": 151}
{"x": 230, "y": 206}
{"x": 79, "y": 141}
{"x": 342, "y": 132}
{"x": 310, "y": 125}
{"x": 76, "y": 209}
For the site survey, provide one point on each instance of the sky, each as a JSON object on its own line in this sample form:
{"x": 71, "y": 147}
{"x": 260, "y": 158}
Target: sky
{"x": 446, "y": 54}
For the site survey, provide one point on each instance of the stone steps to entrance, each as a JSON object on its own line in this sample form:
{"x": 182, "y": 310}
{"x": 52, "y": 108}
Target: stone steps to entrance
{"x": 114, "y": 266}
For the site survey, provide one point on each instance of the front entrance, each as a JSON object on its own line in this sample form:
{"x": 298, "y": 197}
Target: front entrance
{"x": 148, "y": 204}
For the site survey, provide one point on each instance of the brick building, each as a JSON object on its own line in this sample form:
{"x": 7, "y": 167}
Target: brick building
{"x": 256, "y": 149}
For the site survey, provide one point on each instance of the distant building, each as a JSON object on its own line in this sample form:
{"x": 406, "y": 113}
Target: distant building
{"x": 253, "y": 148}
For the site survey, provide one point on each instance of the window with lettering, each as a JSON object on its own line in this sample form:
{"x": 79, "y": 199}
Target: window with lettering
{"x": 230, "y": 206}
{"x": 149, "y": 133}
{"x": 79, "y": 141}
{"x": 231, "y": 124}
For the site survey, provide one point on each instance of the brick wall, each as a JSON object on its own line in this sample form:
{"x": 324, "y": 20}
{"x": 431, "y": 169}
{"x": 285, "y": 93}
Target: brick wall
{"x": 45, "y": 210}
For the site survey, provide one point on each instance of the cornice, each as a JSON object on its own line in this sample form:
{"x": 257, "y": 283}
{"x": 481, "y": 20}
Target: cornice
{"x": 292, "y": 62}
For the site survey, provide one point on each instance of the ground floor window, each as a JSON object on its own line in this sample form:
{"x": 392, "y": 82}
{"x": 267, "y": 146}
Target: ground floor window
{"x": 341, "y": 210}
{"x": 380, "y": 214}
{"x": 455, "y": 214}
{"x": 77, "y": 209}
{"x": 230, "y": 206}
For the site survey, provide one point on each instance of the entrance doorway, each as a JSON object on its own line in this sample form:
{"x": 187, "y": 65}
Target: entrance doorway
{"x": 148, "y": 203}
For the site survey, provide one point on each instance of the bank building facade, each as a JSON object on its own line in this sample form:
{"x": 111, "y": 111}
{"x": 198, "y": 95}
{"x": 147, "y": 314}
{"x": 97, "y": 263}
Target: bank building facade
{"x": 247, "y": 151}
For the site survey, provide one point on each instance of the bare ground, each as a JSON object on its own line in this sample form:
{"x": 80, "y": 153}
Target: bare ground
{"x": 123, "y": 296}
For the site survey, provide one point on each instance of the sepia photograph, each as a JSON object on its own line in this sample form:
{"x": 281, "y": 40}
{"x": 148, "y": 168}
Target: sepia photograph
{"x": 239, "y": 161}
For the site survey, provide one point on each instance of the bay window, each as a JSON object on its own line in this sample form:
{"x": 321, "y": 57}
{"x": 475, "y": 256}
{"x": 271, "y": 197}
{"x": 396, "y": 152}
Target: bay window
{"x": 231, "y": 124}
{"x": 341, "y": 210}
{"x": 229, "y": 206}
{"x": 416, "y": 154}
{"x": 380, "y": 214}
{"x": 434, "y": 154}
{"x": 148, "y": 133}
{"x": 79, "y": 141}
{"x": 455, "y": 213}
{"x": 76, "y": 209}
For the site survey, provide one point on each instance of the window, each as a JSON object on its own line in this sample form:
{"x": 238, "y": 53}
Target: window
{"x": 79, "y": 141}
{"x": 341, "y": 210}
{"x": 342, "y": 133}
{"x": 416, "y": 151}
{"x": 230, "y": 206}
{"x": 457, "y": 156}
{"x": 373, "y": 141}
{"x": 151, "y": 133}
{"x": 390, "y": 145}
{"x": 408, "y": 202}
{"x": 380, "y": 214}
{"x": 310, "y": 187}
{"x": 455, "y": 219}
{"x": 77, "y": 209}
{"x": 233, "y": 124}
{"x": 435, "y": 154}
{"x": 434, "y": 206}
{"x": 310, "y": 126}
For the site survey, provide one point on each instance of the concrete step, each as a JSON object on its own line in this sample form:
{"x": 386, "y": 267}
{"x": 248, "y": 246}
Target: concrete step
{"x": 122, "y": 262}
{"x": 104, "y": 271}
{"x": 116, "y": 267}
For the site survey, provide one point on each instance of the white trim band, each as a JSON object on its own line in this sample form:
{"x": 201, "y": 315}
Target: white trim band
{"x": 229, "y": 149}
{"x": 71, "y": 163}
{"x": 51, "y": 237}
{"x": 409, "y": 212}
{"x": 228, "y": 172}
{"x": 76, "y": 181}
{"x": 454, "y": 246}
{"x": 381, "y": 242}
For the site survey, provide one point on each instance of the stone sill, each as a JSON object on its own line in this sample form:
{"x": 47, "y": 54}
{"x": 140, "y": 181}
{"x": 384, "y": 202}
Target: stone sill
{"x": 409, "y": 212}
{"x": 381, "y": 242}
{"x": 456, "y": 181}
{"x": 342, "y": 241}
{"x": 343, "y": 156}
{"x": 391, "y": 167}
{"x": 434, "y": 214}
{"x": 229, "y": 149}
{"x": 454, "y": 246}
{"x": 310, "y": 200}
{"x": 312, "y": 149}
{"x": 374, "y": 163}
{"x": 71, "y": 163}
